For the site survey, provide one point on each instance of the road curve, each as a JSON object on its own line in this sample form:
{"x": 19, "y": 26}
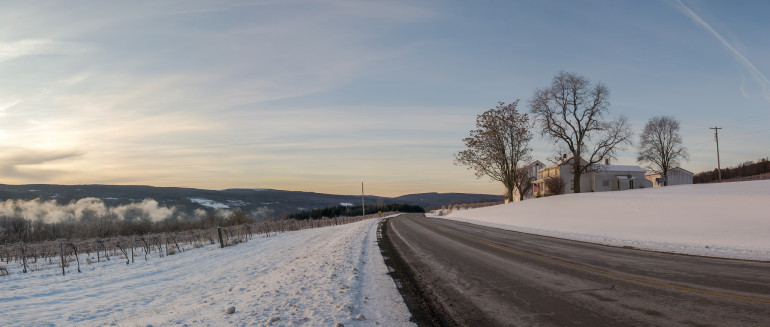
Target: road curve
{"x": 474, "y": 275}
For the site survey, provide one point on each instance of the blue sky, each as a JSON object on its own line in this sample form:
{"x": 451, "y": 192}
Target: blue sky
{"x": 321, "y": 95}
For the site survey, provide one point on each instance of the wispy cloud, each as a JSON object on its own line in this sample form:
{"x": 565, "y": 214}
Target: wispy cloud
{"x": 31, "y": 47}
{"x": 26, "y": 163}
{"x": 758, "y": 76}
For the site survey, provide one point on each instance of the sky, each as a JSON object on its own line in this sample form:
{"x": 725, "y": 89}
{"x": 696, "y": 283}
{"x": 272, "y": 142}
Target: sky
{"x": 323, "y": 95}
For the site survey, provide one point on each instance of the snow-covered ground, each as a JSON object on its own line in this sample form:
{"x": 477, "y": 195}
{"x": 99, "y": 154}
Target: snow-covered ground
{"x": 730, "y": 220}
{"x": 209, "y": 203}
{"x": 315, "y": 277}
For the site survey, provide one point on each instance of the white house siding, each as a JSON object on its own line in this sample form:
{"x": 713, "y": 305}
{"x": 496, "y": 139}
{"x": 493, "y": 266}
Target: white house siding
{"x": 565, "y": 172}
{"x": 605, "y": 181}
{"x": 644, "y": 183}
{"x": 679, "y": 176}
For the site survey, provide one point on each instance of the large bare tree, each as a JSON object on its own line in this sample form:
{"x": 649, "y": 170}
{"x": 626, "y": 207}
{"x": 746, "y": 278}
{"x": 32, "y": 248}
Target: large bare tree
{"x": 498, "y": 144}
{"x": 660, "y": 146}
{"x": 573, "y": 113}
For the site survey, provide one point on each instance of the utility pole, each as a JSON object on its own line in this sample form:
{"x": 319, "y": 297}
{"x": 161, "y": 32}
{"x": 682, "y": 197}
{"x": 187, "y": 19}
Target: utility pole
{"x": 363, "y": 208}
{"x": 716, "y": 136}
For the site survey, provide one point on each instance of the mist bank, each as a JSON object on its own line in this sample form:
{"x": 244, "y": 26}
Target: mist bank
{"x": 90, "y": 208}
{"x": 42, "y": 220}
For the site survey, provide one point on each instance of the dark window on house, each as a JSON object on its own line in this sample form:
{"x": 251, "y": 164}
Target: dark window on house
{"x": 606, "y": 182}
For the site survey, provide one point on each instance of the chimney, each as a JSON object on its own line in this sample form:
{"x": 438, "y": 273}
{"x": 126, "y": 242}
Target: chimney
{"x": 607, "y": 161}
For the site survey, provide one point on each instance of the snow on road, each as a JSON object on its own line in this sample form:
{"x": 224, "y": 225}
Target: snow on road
{"x": 315, "y": 277}
{"x": 730, "y": 220}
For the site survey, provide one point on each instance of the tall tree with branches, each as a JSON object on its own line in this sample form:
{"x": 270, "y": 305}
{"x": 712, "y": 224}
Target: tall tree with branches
{"x": 498, "y": 144}
{"x": 660, "y": 146}
{"x": 573, "y": 113}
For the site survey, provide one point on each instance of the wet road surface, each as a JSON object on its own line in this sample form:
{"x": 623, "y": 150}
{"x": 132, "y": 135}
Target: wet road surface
{"x": 473, "y": 275}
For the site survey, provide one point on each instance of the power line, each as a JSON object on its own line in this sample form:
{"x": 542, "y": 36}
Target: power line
{"x": 745, "y": 133}
{"x": 702, "y": 145}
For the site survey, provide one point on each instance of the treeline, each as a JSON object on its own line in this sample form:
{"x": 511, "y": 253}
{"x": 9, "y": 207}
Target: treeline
{"x": 746, "y": 169}
{"x": 14, "y": 229}
{"x": 340, "y": 211}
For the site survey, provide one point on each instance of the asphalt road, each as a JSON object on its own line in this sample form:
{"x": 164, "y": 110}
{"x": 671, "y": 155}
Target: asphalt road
{"x": 473, "y": 275}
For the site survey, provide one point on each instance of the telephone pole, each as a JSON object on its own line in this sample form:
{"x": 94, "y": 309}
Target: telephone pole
{"x": 363, "y": 208}
{"x": 716, "y": 136}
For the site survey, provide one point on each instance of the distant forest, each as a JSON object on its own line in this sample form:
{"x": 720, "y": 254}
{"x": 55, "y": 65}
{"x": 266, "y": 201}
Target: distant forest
{"x": 746, "y": 169}
{"x": 340, "y": 210}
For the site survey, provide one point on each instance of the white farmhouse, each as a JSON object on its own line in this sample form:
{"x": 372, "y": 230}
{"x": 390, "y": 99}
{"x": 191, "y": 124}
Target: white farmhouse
{"x": 601, "y": 178}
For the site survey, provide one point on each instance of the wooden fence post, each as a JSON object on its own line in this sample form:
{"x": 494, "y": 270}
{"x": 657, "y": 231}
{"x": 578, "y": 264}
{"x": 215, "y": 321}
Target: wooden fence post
{"x": 23, "y": 257}
{"x": 221, "y": 243}
{"x": 61, "y": 254}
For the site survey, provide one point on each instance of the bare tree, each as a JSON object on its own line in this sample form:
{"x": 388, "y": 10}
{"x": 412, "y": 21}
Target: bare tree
{"x": 497, "y": 145}
{"x": 523, "y": 181}
{"x": 660, "y": 146}
{"x": 573, "y": 113}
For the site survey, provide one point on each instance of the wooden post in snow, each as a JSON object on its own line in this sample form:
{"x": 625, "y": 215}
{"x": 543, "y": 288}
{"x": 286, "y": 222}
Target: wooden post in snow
{"x": 221, "y": 243}
{"x": 23, "y": 257}
{"x": 363, "y": 206}
{"x": 61, "y": 254}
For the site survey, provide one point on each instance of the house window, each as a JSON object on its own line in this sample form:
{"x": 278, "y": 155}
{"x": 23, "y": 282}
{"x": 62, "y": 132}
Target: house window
{"x": 571, "y": 184}
{"x": 606, "y": 182}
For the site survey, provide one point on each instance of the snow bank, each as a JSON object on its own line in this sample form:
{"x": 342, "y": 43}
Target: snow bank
{"x": 316, "y": 277}
{"x": 209, "y": 203}
{"x": 730, "y": 220}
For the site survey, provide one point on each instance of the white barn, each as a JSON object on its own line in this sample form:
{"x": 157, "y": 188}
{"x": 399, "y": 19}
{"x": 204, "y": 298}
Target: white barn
{"x": 676, "y": 176}
{"x": 618, "y": 178}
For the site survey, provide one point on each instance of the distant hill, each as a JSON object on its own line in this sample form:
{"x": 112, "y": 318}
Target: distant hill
{"x": 256, "y": 202}
{"x": 431, "y": 201}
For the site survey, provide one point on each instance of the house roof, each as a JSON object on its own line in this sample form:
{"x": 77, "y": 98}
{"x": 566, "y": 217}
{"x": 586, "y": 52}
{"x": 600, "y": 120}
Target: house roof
{"x": 618, "y": 168}
{"x": 533, "y": 163}
{"x": 685, "y": 170}
{"x": 658, "y": 172}
{"x": 562, "y": 161}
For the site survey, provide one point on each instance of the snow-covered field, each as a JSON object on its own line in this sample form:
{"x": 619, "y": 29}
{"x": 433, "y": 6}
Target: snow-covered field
{"x": 315, "y": 277}
{"x": 730, "y": 220}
